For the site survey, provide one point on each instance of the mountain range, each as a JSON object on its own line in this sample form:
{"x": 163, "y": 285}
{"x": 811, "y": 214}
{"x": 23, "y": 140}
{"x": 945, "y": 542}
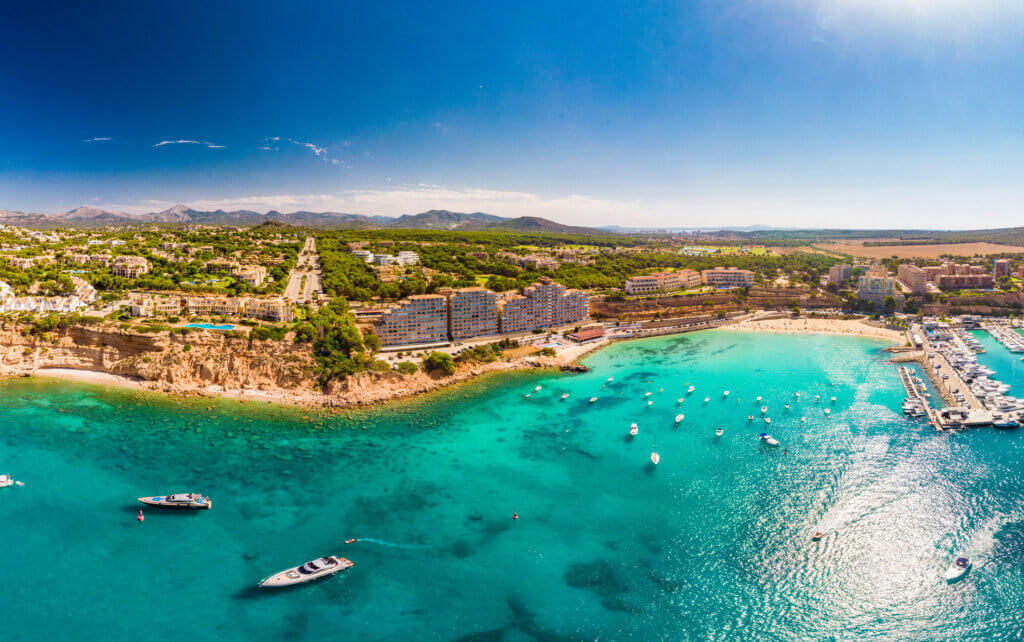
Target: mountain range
{"x": 93, "y": 217}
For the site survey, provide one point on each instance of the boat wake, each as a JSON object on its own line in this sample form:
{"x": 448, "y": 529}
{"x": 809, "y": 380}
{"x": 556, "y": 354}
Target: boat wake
{"x": 381, "y": 542}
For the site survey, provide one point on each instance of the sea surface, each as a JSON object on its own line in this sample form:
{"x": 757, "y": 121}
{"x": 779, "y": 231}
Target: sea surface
{"x": 712, "y": 544}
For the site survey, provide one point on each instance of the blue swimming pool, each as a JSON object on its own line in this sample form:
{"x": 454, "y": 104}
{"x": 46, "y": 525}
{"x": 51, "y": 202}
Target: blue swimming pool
{"x": 210, "y": 326}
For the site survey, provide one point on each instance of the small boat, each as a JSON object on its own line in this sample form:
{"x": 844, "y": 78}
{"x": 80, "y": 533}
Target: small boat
{"x": 679, "y": 400}
{"x": 803, "y": 419}
{"x": 650, "y": 403}
{"x": 707, "y": 399}
{"x": 725, "y": 394}
{"x": 680, "y": 417}
{"x": 958, "y": 569}
{"x": 750, "y": 417}
{"x": 758, "y": 400}
{"x": 827, "y": 411}
{"x": 611, "y": 379}
{"x": 647, "y": 394}
{"x": 661, "y": 390}
{"x": 769, "y": 440}
{"x": 313, "y": 570}
{"x": 817, "y": 397}
{"x": 565, "y": 396}
{"x": 833, "y": 399}
{"x": 526, "y": 396}
{"x": 719, "y": 432}
{"x": 764, "y": 409}
{"x": 593, "y": 399}
{"x": 633, "y": 430}
{"x": 351, "y": 541}
{"x": 690, "y": 389}
{"x": 179, "y": 500}
{"x": 817, "y": 536}
{"x": 5, "y": 481}
{"x": 767, "y": 420}
{"x": 787, "y": 406}
{"x": 797, "y": 395}
{"x": 655, "y": 457}
{"x": 537, "y": 389}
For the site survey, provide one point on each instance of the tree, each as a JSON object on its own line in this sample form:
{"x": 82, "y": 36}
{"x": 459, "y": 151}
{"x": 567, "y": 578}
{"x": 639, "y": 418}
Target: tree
{"x": 439, "y": 362}
{"x": 890, "y": 304}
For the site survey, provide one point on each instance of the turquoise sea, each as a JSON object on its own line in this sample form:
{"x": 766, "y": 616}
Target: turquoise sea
{"x": 714, "y": 543}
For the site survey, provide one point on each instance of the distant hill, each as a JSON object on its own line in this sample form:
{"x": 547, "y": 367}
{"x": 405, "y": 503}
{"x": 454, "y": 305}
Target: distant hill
{"x": 535, "y": 224}
{"x": 444, "y": 220}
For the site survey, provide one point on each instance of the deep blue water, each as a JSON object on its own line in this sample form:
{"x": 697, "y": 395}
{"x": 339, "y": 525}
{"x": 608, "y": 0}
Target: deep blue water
{"x": 712, "y": 544}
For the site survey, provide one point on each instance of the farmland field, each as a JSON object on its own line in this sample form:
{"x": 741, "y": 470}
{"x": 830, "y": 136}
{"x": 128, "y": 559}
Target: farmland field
{"x": 855, "y": 247}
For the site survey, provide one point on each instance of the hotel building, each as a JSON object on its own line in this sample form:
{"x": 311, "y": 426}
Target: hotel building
{"x": 1000, "y": 267}
{"x": 960, "y": 281}
{"x": 839, "y": 273}
{"x": 543, "y": 304}
{"x": 131, "y": 267}
{"x": 662, "y": 282}
{"x": 721, "y": 277}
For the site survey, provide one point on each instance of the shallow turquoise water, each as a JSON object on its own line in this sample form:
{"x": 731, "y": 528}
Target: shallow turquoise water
{"x": 713, "y": 544}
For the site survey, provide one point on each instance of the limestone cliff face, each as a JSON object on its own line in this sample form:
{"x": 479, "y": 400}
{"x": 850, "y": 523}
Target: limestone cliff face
{"x": 173, "y": 362}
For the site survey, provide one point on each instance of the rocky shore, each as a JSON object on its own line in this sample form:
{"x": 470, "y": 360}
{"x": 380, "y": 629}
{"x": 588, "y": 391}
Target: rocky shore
{"x": 211, "y": 364}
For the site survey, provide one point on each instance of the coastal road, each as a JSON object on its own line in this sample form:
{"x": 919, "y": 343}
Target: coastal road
{"x": 304, "y": 279}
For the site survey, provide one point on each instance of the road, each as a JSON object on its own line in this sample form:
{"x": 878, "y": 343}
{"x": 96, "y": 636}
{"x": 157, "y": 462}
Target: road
{"x": 304, "y": 279}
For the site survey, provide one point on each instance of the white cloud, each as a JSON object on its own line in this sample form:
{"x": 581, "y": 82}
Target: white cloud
{"x": 959, "y": 20}
{"x": 189, "y": 142}
{"x": 320, "y": 152}
{"x": 269, "y": 144}
{"x": 98, "y": 139}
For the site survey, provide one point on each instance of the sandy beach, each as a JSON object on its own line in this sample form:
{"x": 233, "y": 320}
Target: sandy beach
{"x": 847, "y": 327}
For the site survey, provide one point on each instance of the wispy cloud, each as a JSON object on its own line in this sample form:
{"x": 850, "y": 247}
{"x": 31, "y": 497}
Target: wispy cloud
{"x": 319, "y": 152}
{"x": 269, "y": 144}
{"x": 189, "y": 142}
{"x": 98, "y": 139}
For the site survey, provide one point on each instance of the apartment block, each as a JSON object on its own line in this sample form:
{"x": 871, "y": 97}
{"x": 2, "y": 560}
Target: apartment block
{"x": 541, "y": 305}
{"x": 131, "y": 267}
{"x": 472, "y": 312}
{"x": 961, "y": 281}
{"x": 839, "y": 273}
{"x": 912, "y": 277}
{"x": 254, "y": 275}
{"x": 1000, "y": 267}
{"x": 269, "y": 309}
{"x": 419, "y": 319}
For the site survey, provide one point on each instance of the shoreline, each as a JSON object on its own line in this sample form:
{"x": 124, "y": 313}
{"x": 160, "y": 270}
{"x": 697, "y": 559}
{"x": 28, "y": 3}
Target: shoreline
{"x": 382, "y": 389}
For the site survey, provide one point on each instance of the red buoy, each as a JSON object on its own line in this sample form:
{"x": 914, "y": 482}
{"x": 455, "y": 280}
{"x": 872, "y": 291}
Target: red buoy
{"x": 515, "y": 515}
{"x": 141, "y": 517}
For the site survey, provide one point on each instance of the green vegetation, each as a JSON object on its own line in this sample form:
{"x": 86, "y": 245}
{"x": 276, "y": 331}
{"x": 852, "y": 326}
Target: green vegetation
{"x": 407, "y": 367}
{"x": 337, "y": 344}
{"x": 441, "y": 362}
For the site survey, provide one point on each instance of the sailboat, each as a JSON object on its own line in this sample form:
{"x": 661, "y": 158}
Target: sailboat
{"x": 655, "y": 457}
{"x": 633, "y": 430}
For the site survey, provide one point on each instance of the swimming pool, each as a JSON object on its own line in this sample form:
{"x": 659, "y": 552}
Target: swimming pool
{"x": 210, "y": 326}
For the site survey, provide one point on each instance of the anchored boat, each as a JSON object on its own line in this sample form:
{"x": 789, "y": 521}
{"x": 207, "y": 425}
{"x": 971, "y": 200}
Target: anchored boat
{"x": 179, "y": 500}
{"x": 313, "y": 570}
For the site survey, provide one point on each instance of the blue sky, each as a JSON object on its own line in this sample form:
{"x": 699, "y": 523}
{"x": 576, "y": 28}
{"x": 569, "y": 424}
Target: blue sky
{"x": 838, "y": 113}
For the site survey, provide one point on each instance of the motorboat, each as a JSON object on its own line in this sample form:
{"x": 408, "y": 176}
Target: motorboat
{"x": 5, "y": 481}
{"x": 655, "y": 458}
{"x": 679, "y": 417}
{"x": 750, "y": 417}
{"x": 827, "y": 411}
{"x": 633, "y": 430}
{"x": 764, "y": 409}
{"x": 833, "y": 399}
{"x": 565, "y": 396}
{"x": 650, "y": 403}
{"x": 690, "y": 389}
{"x": 312, "y": 570}
{"x": 707, "y": 399}
{"x": 768, "y": 440}
{"x": 725, "y": 394}
{"x": 958, "y": 569}
{"x": 611, "y": 379}
{"x": 787, "y": 406}
{"x": 758, "y": 400}
{"x": 797, "y": 395}
{"x": 1005, "y": 424}
{"x": 679, "y": 400}
{"x": 593, "y": 399}
{"x": 767, "y": 420}
{"x": 647, "y": 394}
{"x": 179, "y": 500}
{"x": 817, "y": 536}
{"x": 719, "y": 432}
{"x": 537, "y": 389}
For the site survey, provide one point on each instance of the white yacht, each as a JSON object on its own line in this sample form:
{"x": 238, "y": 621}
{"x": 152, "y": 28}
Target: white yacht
{"x": 565, "y": 396}
{"x": 707, "y": 399}
{"x": 764, "y": 409}
{"x": 611, "y": 379}
{"x": 537, "y": 389}
{"x": 655, "y": 457}
{"x": 690, "y": 389}
{"x": 647, "y": 394}
{"x": 758, "y": 400}
{"x": 593, "y": 399}
{"x": 633, "y": 430}
{"x": 679, "y": 418}
{"x": 958, "y": 569}
{"x": 719, "y": 432}
{"x": 313, "y": 570}
{"x": 725, "y": 394}
{"x": 5, "y": 481}
{"x": 769, "y": 440}
{"x": 179, "y": 500}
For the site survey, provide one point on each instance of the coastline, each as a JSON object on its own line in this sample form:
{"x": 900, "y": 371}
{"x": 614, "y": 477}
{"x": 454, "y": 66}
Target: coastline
{"x": 841, "y": 327}
{"x": 368, "y": 390}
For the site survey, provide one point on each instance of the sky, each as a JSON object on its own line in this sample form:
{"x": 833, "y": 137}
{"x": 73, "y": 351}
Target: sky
{"x": 789, "y": 113}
